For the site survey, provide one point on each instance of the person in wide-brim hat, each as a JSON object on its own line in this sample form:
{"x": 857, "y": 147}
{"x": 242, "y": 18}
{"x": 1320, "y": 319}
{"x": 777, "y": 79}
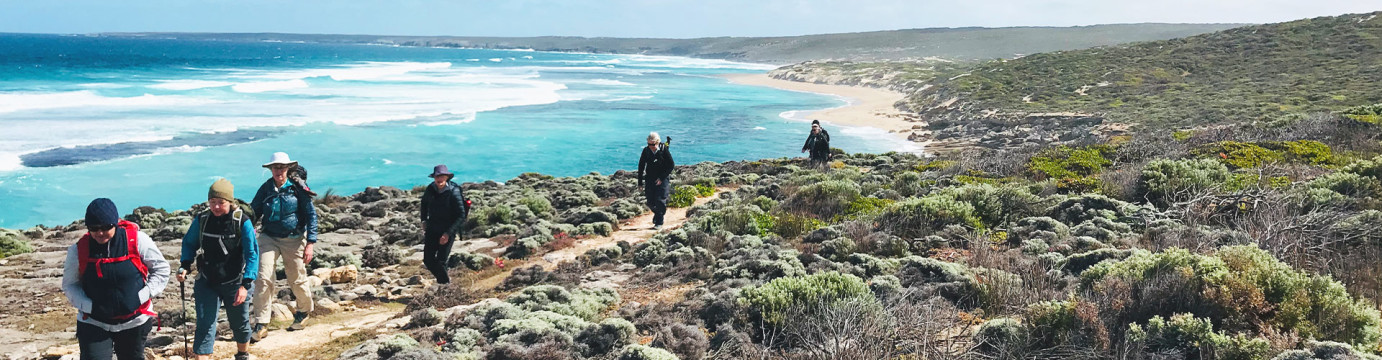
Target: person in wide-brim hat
{"x": 288, "y": 230}
{"x": 280, "y": 158}
{"x": 444, "y": 210}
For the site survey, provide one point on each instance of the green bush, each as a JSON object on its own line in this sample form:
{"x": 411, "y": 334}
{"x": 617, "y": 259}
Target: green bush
{"x": 394, "y": 344}
{"x": 683, "y": 196}
{"x": 1308, "y": 152}
{"x": 641, "y": 352}
{"x": 1370, "y": 168}
{"x": 865, "y": 207}
{"x": 538, "y": 204}
{"x": 1001, "y": 336}
{"x": 1190, "y": 337}
{"x": 917, "y": 217}
{"x": 471, "y": 260}
{"x": 1065, "y": 162}
{"x": 1163, "y": 178}
{"x": 597, "y": 228}
{"x": 1348, "y": 184}
{"x": 12, "y": 243}
{"x": 1241, "y": 288}
{"x": 965, "y": 286}
{"x": 995, "y": 205}
{"x": 749, "y": 257}
{"x": 825, "y": 199}
{"x": 1239, "y": 155}
{"x": 582, "y": 303}
{"x": 494, "y": 215}
{"x": 737, "y": 219}
{"x": 773, "y": 302}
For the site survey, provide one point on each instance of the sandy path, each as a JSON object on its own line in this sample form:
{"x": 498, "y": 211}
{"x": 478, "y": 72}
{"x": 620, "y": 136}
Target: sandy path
{"x": 633, "y": 231}
{"x": 281, "y": 344}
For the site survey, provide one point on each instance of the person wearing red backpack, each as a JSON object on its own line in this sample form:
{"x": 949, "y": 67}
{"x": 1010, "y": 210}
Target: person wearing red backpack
{"x": 221, "y": 242}
{"x": 112, "y": 274}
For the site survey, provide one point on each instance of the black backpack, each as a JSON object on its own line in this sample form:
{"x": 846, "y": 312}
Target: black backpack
{"x": 298, "y": 176}
{"x": 218, "y": 249}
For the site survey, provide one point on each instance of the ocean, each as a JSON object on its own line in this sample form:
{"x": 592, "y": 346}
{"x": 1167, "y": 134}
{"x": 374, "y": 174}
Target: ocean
{"x": 147, "y": 121}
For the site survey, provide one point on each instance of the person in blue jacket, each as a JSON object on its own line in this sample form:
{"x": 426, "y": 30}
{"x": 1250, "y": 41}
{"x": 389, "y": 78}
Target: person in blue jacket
{"x": 221, "y": 242}
{"x": 288, "y": 229}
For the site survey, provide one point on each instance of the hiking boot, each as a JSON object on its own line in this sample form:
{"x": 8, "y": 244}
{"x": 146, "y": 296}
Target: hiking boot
{"x": 242, "y": 356}
{"x": 299, "y": 320}
{"x": 657, "y": 227}
{"x": 259, "y": 332}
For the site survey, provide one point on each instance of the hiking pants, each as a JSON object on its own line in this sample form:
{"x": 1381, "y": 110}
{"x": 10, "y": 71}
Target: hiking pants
{"x": 209, "y": 299}
{"x": 96, "y": 343}
{"x": 434, "y": 254}
{"x": 290, "y": 248}
{"x": 657, "y": 198}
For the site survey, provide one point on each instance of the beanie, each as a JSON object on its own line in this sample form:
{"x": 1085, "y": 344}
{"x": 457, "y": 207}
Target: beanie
{"x": 101, "y": 212}
{"x": 222, "y": 189}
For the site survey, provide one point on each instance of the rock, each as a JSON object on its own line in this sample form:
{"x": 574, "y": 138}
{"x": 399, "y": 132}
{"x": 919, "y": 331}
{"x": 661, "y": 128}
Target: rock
{"x": 159, "y": 341}
{"x": 56, "y": 352}
{"x": 329, "y": 305}
{"x": 280, "y": 312}
{"x": 324, "y": 273}
{"x": 344, "y": 274}
{"x": 377, "y": 210}
{"x": 365, "y": 291}
{"x": 313, "y": 281}
{"x": 415, "y": 280}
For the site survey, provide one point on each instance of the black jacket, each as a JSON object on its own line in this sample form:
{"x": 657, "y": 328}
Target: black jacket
{"x": 655, "y": 165}
{"x": 818, "y": 142}
{"x": 444, "y": 208}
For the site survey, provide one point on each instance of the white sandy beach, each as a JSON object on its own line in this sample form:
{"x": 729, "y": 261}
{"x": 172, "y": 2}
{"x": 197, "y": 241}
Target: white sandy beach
{"x": 869, "y": 107}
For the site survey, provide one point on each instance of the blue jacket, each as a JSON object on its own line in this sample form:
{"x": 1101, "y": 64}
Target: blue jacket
{"x": 248, "y": 247}
{"x": 284, "y": 211}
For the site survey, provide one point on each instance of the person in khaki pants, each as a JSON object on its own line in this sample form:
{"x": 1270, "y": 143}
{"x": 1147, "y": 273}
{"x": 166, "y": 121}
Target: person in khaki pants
{"x": 288, "y": 228}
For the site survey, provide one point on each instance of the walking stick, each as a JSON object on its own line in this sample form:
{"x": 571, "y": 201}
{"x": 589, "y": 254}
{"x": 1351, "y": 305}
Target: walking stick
{"x": 182, "y": 300}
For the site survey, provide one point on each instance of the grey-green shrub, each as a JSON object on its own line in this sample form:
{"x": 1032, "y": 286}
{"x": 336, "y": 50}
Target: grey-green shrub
{"x": 641, "y": 352}
{"x": 1162, "y": 178}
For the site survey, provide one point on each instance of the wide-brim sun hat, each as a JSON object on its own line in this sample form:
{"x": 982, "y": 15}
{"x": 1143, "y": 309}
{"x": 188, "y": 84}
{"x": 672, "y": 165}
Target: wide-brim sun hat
{"x": 440, "y": 170}
{"x": 280, "y": 158}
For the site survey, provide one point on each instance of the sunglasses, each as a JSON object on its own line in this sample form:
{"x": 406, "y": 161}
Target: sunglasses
{"x": 101, "y": 228}
{"x": 278, "y": 167}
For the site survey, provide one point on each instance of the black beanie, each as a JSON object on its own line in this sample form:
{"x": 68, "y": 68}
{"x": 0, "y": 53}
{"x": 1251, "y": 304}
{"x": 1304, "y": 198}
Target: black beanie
{"x": 815, "y": 122}
{"x": 101, "y": 212}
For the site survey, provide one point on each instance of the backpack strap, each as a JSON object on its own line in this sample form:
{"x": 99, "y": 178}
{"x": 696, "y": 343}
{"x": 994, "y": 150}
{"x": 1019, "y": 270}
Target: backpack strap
{"x": 132, "y": 254}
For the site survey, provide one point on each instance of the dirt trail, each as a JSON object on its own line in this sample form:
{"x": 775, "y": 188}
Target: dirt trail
{"x": 282, "y": 344}
{"x": 633, "y": 231}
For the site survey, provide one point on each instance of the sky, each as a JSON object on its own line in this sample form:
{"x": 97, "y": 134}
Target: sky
{"x": 630, "y": 18}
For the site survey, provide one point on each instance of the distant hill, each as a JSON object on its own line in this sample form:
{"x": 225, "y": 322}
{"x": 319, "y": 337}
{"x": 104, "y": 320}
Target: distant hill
{"x": 1250, "y": 73}
{"x": 949, "y": 43}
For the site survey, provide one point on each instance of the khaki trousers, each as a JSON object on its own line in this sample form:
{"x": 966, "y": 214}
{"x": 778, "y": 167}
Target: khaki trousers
{"x": 290, "y": 248}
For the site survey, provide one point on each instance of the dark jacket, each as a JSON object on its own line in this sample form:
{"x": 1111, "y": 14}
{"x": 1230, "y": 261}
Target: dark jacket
{"x": 285, "y": 211}
{"x": 654, "y": 165}
{"x": 229, "y": 251}
{"x": 444, "y": 208}
{"x": 818, "y": 143}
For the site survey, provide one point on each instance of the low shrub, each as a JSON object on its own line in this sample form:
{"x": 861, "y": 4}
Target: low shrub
{"x": 683, "y": 196}
{"x": 770, "y": 303}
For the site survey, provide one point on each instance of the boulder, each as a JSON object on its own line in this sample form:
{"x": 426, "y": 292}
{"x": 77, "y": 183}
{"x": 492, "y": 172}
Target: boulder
{"x": 327, "y": 304}
{"x": 53, "y": 353}
{"x": 365, "y": 291}
{"x": 344, "y": 274}
{"x": 280, "y": 312}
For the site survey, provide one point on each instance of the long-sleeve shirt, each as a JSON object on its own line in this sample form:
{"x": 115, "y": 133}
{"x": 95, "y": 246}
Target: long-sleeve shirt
{"x": 444, "y": 208}
{"x": 153, "y": 286}
{"x": 249, "y": 248}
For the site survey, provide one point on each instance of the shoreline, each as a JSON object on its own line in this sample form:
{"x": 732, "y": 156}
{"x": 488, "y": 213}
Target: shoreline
{"x": 867, "y": 107}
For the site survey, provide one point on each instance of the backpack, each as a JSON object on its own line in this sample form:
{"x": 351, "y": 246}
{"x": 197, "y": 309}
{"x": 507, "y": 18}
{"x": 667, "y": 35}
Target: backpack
{"x": 298, "y": 176}
{"x": 217, "y": 245}
{"x": 132, "y": 255}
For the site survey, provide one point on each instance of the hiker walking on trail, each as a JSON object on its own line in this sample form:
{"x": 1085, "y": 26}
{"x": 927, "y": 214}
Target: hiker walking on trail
{"x": 818, "y": 143}
{"x": 288, "y": 229}
{"x": 444, "y": 210}
{"x": 654, "y": 176}
{"x": 111, "y": 276}
{"x": 221, "y": 243}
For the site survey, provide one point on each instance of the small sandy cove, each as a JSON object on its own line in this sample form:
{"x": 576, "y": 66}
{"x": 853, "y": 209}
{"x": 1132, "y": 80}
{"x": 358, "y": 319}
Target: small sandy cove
{"x": 869, "y": 107}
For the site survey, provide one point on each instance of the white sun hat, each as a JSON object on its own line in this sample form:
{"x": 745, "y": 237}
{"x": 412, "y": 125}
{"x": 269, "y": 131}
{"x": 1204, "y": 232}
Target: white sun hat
{"x": 280, "y": 158}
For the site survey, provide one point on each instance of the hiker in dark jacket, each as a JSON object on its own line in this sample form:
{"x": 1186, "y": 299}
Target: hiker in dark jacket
{"x": 818, "y": 143}
{"x": 111, "y": 276}
{"x": 288, "y": 229}
{"x": 221, "y": 242}
{"x": 444, "y": 210}
{"x": 654, "y": 176}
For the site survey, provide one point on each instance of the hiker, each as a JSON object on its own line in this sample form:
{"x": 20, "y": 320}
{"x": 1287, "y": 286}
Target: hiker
{"x": 444, "y": 210}
{"x": 111, "y": 276}
{"x": 818, "y": 143}
{"x": 221, "y": 242}
{"x": 654, "y": 176}
{"x": 288, "y": 229}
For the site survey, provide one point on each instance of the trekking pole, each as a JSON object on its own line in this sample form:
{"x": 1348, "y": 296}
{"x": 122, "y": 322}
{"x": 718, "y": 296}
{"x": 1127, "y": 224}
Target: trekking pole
{"x": 182, "y": 300}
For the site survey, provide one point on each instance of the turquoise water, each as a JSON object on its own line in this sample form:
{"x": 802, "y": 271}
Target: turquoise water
{"x": 155, "y": 121}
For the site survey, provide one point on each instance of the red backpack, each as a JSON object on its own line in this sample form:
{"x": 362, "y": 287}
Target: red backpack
{"x": 132, "y": 235}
